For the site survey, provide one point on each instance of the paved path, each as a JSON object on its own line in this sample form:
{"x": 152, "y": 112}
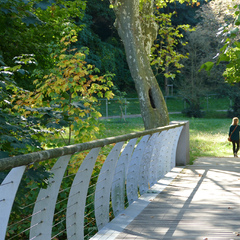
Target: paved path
{"x": 202, "y": 202}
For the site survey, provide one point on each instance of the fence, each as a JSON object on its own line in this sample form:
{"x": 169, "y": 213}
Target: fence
{"x": 85, "y": 189}
{"x": 130, "y": 106}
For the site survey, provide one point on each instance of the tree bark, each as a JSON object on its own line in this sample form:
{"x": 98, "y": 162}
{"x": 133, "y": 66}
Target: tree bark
{"x": 138, "y": 33}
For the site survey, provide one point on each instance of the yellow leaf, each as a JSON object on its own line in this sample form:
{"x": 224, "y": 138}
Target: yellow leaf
{"x": 76, "y": 78}
{"x": 62, "y": 56}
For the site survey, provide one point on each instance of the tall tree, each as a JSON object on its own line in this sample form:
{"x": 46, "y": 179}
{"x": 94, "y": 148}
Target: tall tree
{"x": 138, "y": 33}
{"x": 204, "y": 43}
{"x": 25, "y": 30}
{"x": 136, "y": 25}
{"x": 227, "y": 31}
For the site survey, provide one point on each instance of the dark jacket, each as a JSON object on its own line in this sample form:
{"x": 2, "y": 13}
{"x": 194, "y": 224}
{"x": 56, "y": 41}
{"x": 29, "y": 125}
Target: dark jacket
{"x": 235, "y": 135}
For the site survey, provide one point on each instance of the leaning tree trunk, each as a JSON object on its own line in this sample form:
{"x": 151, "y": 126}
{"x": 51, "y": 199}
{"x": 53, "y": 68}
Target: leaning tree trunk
{"x": 138, "y": 33}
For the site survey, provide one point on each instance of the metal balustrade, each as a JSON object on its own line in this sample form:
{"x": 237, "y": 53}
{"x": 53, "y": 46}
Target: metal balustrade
{"x": 85, "y": 193}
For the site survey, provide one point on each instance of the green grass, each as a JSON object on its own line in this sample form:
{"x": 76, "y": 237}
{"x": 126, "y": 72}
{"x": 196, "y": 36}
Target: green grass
{"x": 208, "y": 136}
{"x": 116, "y": 126}
{"x": 174, "y": 104}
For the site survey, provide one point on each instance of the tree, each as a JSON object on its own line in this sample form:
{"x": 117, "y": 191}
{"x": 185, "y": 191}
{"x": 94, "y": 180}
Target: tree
{"x": 164, "y": 58}
{"x": 204, "y": 43}
{"x": 65, "y": 102}
{"x": 138, "y": 31}
{"x": 193, "y": 85}
{"x": 229, "y": 34}
{"x": 106, "y": 50}
{"x": 229, "y": 54}
{"x": 25, "y": 30}
{"x": 136, "y": 25}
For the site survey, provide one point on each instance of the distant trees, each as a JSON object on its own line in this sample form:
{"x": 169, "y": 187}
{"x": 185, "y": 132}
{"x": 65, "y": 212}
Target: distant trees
{"x": 106, "y": 50}
{"x": 204, "y": 44}
{"x": 28, "y": 27}
{"x": 30, "y": 49}
{"x": 137, "y": 26}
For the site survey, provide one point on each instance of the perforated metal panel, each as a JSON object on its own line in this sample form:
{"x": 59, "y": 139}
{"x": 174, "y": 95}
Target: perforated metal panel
{"x": 177, "y": 132}
{"x": 42, "y": 219}
{"x": 133, "y": 170}
{"x": 118, "y": 185}
{"x": 77, "y": 197}
{"x": 104, "y": 183}
{"x": 154, "y": 163}
{"x": 144, "y": 168}
{"x": 8, "y": 190}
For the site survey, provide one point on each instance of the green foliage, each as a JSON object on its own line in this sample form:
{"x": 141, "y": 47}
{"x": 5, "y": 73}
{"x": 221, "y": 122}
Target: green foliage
{"x": 121, "y": 101}
{"x": 193, "y": 110}
{"x": 164, "y": 3}
{"x": 230, "y": 52}
{"x": 25, "y": 30}
{"x": 106, "y": 51}
{"x": 185, "y": 12}
{"x": 67, "y": 97}
{"x": 18, "y": 134}
{"x": 165, "y": 58}
{"x": 207, "y": 66}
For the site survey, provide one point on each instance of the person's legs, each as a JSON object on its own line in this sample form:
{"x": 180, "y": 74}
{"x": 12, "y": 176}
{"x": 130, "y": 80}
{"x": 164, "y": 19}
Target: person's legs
{"x": 236, "y": 151}
{"x": 235, "y": 147}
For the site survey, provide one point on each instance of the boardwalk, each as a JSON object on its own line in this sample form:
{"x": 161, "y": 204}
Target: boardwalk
{"x": 202, "y": 202}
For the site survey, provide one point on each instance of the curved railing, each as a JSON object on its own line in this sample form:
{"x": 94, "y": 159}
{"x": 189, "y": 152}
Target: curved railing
{"x": 85, "y": 193}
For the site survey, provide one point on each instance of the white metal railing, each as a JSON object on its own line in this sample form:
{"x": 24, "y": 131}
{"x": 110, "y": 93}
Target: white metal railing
{"x": 86, "y": 189}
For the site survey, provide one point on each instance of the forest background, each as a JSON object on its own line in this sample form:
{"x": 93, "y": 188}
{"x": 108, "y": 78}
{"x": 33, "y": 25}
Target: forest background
{"x": 59, "y": 57}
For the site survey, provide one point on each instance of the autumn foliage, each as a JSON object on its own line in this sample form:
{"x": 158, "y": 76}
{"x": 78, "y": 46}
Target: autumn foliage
{"x": 66, "y": 99}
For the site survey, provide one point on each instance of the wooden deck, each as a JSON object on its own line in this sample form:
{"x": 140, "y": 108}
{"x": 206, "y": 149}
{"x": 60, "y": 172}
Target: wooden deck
{"x": 203, "y": 202}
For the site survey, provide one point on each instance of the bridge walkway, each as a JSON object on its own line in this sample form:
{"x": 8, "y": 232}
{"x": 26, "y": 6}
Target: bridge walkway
{"x": 202, "y": 202}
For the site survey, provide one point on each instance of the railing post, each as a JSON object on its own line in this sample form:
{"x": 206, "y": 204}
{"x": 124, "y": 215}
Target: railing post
{"x": 125, "y": 107}
{"x": 8, "y": 189}
{"x": 106, "y": 108}
{"x": 182, "y": 153}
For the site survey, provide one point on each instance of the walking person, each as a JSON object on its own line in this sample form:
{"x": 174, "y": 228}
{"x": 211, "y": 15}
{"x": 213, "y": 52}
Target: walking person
{"x": 234, "y": 130}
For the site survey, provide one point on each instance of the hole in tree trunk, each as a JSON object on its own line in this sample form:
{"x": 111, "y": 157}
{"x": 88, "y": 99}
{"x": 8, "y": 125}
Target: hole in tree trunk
{"x": 151, "y": 98}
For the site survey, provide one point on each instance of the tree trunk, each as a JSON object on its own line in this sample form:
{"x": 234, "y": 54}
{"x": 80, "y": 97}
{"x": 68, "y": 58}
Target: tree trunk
{"x": 138, "y": 33}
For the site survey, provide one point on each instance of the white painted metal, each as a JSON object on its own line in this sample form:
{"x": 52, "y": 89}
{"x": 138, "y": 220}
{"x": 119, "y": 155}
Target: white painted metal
{"x": 137, "y": 169}
{"x": 167, "y": 150}
{"x": 164, "y": 153}
{"x": 118, "y": 185}
{"x": 133, "y": 170}
{"x": 8, "y": 190}
{"x": 144, "y": 168}
{"x": 183, "y": 148}
{"x": 77, "y": 197}
{"x": 41, "y": 223}
{"x": 103, "y": 187}
{"x": 157, "y": 153}
{"x": 177, "y": 132}
{"x": 154, "y": 165}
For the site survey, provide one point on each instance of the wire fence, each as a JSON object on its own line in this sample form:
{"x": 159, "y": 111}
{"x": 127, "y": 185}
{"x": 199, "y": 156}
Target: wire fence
{"x": 87, "y": 186}
{"x": 175, "y": 104}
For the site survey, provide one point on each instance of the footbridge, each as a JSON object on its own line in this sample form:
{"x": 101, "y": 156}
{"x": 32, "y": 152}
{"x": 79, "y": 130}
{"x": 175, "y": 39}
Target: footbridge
{"x": 134, "y": 186}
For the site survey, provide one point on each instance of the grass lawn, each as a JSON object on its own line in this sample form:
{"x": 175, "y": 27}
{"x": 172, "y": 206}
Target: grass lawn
{"x": 208, "y": 136}
{"x": 174, "y": 104}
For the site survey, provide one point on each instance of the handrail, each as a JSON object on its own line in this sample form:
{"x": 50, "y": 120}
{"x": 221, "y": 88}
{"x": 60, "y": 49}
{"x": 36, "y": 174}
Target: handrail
{"x": 94, "y": 184}
{"x": 21, "y": 160}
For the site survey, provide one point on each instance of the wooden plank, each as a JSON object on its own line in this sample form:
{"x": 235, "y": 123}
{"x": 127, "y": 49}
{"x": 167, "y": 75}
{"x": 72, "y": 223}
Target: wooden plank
{"x": 203, "y": 202}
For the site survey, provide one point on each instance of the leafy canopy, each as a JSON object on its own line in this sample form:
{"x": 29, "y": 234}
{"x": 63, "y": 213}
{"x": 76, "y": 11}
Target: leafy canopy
{"x": 230, "y": 52}
{"x": 66, "y": 101}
